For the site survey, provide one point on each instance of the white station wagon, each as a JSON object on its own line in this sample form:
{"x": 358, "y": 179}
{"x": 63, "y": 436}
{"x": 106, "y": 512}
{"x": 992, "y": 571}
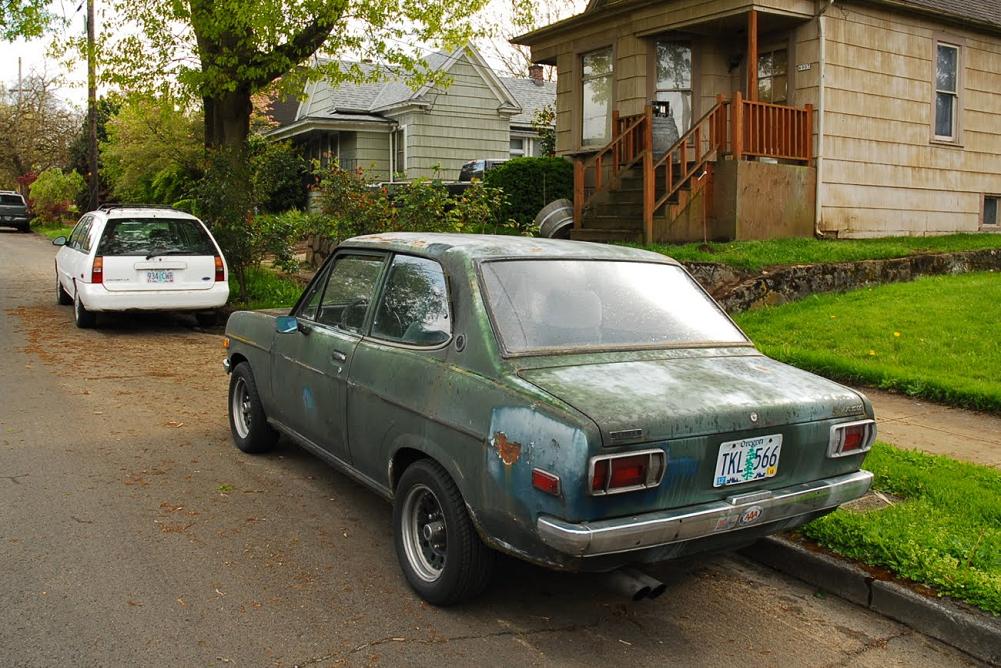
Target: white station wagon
{"x": 134, "y": 258}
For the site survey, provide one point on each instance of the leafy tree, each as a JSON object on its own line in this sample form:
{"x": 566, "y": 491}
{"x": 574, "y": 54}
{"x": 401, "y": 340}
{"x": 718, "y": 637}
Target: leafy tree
{"x": 37, "y": 128}
{"x": 52, "y": 195}
{"x": 23, "y": 18}
{"x": 280, "y": 175}
{"x": 153, "y": 152}
{"x": 79, "y": 151}
{"x": 544, "y": 123}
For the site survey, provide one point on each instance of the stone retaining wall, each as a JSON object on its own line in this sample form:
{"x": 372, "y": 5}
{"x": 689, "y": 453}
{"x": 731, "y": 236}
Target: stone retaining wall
{"x": 738, "y": 290}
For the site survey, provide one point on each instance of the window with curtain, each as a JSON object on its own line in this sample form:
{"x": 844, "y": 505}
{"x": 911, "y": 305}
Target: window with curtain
{"x": 596, "y": 110}
{"x": 773, "y": 76}
{"x": 674, "y": 81}
{"x": 946, "y": 90}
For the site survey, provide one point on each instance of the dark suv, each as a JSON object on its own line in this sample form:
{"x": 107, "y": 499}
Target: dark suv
{"x": 13, "y": 211}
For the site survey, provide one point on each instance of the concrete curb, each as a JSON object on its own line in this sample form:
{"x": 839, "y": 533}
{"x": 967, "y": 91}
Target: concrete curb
{"x": 965, "y": 628}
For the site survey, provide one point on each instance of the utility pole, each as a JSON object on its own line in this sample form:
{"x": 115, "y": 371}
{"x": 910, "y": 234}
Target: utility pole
{"x": 94, "y": 182}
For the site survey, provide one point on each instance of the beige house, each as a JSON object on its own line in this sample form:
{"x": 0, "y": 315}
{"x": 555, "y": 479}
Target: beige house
{"x": 737, "y": 119}
{"x": 396, "y": 133}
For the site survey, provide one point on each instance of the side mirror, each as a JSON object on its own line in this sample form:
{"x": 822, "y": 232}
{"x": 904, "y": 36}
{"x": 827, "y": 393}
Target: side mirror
{"x": 286, "y": 324}
{"x": 59, "y": 241}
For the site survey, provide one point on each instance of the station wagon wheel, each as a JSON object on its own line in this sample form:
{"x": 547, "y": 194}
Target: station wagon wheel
{"x": 440, "y": 553}
{"x": 247, "y": 421}
{"x": 84, "y": 319}
{"x": 62, "y": 297}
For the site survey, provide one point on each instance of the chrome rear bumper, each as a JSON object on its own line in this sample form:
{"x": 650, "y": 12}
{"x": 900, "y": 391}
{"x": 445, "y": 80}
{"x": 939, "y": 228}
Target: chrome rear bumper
{"x": 740, "y": 511}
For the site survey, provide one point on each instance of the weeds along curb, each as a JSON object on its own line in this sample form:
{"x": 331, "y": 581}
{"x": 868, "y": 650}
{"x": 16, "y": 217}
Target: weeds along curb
{"x": 963, "y": 627}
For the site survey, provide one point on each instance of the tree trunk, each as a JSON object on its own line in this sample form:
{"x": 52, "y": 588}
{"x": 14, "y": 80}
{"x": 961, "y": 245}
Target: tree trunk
{"x": 227, "y": 119}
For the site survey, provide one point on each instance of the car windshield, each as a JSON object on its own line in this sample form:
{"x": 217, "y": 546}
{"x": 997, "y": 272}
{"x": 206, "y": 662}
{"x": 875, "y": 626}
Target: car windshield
{"x": 540, "y": 305}
{"x": 155, "y": 236}
{"x": 11, "y": 199}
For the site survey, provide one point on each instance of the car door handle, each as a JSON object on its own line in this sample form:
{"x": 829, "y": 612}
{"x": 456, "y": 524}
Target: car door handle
{"x": 338, "y": 356}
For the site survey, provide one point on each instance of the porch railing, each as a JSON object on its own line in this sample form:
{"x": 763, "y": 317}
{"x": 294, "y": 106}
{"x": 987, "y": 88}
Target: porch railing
{"x": 755, "y": 129}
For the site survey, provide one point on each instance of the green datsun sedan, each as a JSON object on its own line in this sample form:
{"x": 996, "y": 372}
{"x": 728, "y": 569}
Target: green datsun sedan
{"x": 580, "y": 406}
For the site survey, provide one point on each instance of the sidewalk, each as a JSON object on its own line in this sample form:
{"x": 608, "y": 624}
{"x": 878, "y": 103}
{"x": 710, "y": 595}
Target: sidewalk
{"x": 942, "y": 430}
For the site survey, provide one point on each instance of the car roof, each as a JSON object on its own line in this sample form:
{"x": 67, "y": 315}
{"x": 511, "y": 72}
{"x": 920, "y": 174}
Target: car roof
{"x": 488, "y": 246}
{"x": 143, "y": 212}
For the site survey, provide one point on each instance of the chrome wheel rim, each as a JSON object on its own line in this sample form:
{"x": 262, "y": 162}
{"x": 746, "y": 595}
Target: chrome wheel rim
{"x": 240, "y": 407}
{"x": 424, "y": 533}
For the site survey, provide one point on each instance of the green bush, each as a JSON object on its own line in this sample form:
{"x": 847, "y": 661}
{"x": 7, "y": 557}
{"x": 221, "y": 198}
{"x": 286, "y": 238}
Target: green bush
{"x": 279, "y": 173}
{"x": 530, "y": 184}
{"x": 52, "y": 196}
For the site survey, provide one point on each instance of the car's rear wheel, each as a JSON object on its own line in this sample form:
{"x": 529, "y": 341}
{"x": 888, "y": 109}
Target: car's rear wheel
{"x": 440, "y": 553}
{"x": 84, "y": 319}
{"x": 247, "y": 421}
{"x": 62, "y": 297}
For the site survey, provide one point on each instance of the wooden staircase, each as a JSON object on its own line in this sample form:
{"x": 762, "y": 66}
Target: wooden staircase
{"x": 626, "y": 193}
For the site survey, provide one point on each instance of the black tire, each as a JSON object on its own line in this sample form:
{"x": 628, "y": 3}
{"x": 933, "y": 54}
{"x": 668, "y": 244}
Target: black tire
{"x": 62, "y": 297}
{"x": 247, "y": 421}
{"x": 26, "y": 228}
{"x": 207, "y": 319}
{"x": 83, "y": 318}
{"x": 458, "y": 566}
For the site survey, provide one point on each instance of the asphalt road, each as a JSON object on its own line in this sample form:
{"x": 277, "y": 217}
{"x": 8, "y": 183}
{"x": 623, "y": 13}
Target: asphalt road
{"x": 132, "y": 532}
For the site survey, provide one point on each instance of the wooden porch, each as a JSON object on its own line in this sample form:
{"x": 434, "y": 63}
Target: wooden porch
{"x": 625, "y": 191}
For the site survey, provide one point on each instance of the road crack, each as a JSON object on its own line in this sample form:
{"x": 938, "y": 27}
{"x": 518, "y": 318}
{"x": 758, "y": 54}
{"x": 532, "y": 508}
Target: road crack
{"x": 14, "y": 478}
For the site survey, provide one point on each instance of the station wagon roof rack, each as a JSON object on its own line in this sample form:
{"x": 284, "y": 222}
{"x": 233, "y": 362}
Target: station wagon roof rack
{"x": 108, "y": 206}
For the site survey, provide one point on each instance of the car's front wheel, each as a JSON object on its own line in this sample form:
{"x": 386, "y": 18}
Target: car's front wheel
{"x": 84, "y": 319}
{"x": 62, "y": 297}
{"x": 247, "y": 422}
{"x": 441, "y": 554}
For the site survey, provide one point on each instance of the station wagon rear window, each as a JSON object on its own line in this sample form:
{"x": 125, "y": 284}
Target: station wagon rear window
{"x": 540, "y": 305}
{"x": 159, "y": 236}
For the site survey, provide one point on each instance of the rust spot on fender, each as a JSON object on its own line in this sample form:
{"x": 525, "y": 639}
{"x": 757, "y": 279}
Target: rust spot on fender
{"x": 508, "y": 451}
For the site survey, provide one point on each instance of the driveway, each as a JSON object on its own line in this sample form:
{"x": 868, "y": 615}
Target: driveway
{"x": 133, "y": 532}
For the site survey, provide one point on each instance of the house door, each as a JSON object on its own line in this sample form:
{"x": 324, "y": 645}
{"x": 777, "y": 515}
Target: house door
{"x": 674, "y": 81}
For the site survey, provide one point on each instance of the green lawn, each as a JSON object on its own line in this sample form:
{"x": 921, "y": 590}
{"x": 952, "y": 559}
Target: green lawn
{"x": 265, "y": 289}
{"x": 944, "y": 531}
{"x": 937, "y": 337}
{"x": 756, "y": 255}
{"x": 53, "y": 232}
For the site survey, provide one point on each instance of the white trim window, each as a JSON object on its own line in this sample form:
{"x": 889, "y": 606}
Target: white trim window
{"x": 596, "y": 90}
{"x": 522, "y": 147}
{"x": 946, "y": 105}
{"x": 398, "y": 143}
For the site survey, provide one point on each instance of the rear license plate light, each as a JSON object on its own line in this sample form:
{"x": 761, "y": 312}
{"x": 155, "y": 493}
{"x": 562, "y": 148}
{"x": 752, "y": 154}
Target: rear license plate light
{"x": 626, "y": 472}
{"x": 851, "y": 438}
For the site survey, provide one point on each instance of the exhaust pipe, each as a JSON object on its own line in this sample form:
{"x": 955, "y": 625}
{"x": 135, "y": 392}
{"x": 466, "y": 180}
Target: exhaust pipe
{"x": 633, "y": 584}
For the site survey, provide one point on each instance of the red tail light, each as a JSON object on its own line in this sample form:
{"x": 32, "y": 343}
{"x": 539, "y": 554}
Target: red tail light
{"x": 544, "y": 481}
{"x": 220, "y": 270}
{"x": 612, "y": 474}
{"x": 97, "y": 270}
{"x": 851, "y": 438}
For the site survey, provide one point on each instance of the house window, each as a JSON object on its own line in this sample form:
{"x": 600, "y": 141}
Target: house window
{"x": 596, "y": 83}
{"x": 399, "y": 139}
{"x": 991, "y": 210}
{"x": 522, "y": 147}
{"x": 946, "y": 90}
{"x": 773, "y": 80}
{"x": 674, "y": 81}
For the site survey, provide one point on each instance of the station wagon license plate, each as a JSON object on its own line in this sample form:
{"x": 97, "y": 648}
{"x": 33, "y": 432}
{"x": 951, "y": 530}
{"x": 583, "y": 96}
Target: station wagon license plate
{"x": 747, "y": 460}
{"x": 160, "y": 276}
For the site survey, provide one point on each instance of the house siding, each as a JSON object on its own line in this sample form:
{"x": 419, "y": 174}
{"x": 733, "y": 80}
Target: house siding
{"x": 882, "y": 173}
{"x": 368, "y": 151}
{"x": 463, "y": 124}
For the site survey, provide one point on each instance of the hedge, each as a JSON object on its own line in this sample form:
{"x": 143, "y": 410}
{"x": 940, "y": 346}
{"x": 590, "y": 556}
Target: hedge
{"x": 530, "y": 184}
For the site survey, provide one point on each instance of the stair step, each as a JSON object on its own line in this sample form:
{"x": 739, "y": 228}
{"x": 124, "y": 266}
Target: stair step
{"x": 612, "y": 222}
{"x": 606, "y": 235}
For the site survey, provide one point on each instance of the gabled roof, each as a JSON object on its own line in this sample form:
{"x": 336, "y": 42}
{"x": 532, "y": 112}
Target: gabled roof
{"x": 519, "y": 98}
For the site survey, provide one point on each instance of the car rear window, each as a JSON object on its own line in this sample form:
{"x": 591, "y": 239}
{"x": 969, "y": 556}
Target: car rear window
{"x": 548, "y": 305}
{"x": 11, "y": 199}
{"x": 161, "y": 236}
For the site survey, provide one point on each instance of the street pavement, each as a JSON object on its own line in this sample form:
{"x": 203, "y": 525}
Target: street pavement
{"x": 132, "y": 532}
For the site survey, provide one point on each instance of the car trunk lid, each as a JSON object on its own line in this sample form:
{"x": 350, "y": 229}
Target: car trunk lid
{"x": 173, "y": 272}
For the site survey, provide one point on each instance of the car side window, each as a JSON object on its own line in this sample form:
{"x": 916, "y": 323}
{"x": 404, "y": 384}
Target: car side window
{"x": 309, "y": 305}
{"x": 349, "y": 292}
{"x": 87, "y": 239}
{"x": 414, "y": 306}
{"x": 75, "y": 233}
{"x": 80, "y": 234}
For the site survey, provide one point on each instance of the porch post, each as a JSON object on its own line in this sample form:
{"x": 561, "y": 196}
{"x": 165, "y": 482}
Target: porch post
{"x": 752, "y": 55}
{"x": 737, "y": 129}
{"x": 648, "y": 175}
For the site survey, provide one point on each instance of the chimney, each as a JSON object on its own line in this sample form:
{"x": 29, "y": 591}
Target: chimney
{"x": 535, "y": 73}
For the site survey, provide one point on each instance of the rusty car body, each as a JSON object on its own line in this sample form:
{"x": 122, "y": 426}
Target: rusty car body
{"x": 580, "y": 406}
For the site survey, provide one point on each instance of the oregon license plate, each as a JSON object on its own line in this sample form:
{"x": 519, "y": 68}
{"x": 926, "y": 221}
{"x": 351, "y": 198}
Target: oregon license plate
{"x": 747, "y": 460}
{"x": 160, "y": 276}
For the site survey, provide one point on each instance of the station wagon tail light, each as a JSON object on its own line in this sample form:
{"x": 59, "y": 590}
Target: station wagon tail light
{"x": 851, "y": 438}
{"x": 628, "y": 472}
{"x": 547, "y": 482}
{"x": 97, "y": 270}
{"x": 220, "y": 271}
